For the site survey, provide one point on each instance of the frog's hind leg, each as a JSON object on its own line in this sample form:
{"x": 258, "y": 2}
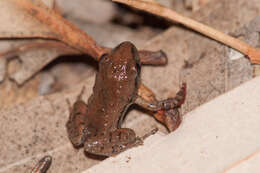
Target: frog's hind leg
{"x": 79, "y": 107}
{"x": 112, "y": 143}
{"x": 75, "y": 125}
{"x": 166, "y": 110}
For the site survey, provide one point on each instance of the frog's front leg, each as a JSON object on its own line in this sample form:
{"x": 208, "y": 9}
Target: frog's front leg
{"x": 166, "y": 110}
{"x": 112, "y": 143}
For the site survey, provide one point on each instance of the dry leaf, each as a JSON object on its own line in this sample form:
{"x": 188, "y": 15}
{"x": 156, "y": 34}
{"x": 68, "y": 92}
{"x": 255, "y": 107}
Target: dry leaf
{"x": 33, "y": 19}
{"x": 61, "y": 29}
{"x": 20, "y": 24}
{"x": 16, "y": 23}
{"x": 36, "y": 55}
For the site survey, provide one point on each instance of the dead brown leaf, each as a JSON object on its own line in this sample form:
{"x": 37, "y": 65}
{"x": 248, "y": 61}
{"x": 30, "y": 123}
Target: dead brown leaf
{"x": 61, "y": 29}
{"x": 33, "y": 19}
{"x": 20, "y": 23}
{"x": 16, "y": 23}
{"x": 45, "y": 52}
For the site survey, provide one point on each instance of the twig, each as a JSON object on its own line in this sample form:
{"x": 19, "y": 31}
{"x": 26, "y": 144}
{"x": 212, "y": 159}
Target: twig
{"x": 243, "y": 160}
{"x": 157, "y": 9}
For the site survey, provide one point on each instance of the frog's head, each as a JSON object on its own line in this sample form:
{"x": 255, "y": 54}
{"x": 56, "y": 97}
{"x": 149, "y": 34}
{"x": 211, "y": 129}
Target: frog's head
{"x": 125, "y": 51}
{"x": 121, "y": 64}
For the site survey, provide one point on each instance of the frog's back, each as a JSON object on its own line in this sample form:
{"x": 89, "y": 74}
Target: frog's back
{"x": 115, "y": 87}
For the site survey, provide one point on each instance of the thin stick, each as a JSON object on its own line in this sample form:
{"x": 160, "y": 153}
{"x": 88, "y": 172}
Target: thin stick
{"x": 157, "y": 9}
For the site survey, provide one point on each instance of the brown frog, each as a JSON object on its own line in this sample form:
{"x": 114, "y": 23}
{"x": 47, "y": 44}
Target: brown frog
{"x": 97, "y": 125}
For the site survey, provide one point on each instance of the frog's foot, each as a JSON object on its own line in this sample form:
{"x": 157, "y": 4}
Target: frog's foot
{"x": 169, "y": 113}
{"x": 112, "y": 143}
{"x": 172, "y": 103}
{"x": 171, "y": 118}
{"x": 166, "y": 110}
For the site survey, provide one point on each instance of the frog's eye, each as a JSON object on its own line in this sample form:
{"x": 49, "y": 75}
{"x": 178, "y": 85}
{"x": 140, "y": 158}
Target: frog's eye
{"x": 103, "y": 56}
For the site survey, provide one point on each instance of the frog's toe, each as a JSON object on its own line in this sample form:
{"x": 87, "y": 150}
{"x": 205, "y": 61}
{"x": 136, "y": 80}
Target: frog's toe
{"x": 171, "y": 118}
